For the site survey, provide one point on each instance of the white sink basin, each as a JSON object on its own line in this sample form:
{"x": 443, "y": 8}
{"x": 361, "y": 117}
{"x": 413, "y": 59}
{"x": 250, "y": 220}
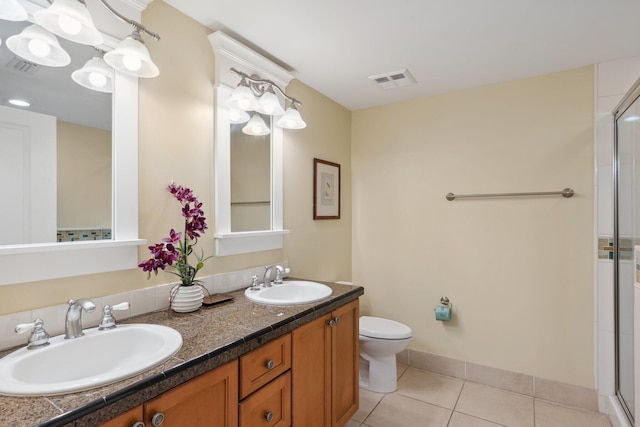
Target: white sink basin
{"x": 294, "y": 292}
{"x": 96, "y": 359}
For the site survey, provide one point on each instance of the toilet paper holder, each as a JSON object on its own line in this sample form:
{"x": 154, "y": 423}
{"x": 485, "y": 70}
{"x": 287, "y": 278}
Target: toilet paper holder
{"x": 444, "y": 310}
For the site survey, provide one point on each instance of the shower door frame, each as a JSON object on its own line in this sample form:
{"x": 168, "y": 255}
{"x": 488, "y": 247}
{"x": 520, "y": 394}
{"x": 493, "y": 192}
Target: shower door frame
{"x": 629, "y": 99}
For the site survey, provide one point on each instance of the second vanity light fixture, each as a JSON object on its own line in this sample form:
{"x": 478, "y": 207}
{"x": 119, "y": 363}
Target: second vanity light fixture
{"x": 71, "y": 20}
{"x": 255, "y": 95}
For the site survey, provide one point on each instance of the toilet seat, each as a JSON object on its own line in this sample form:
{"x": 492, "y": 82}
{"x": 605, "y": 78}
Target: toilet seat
{"x": 376, "y": 327}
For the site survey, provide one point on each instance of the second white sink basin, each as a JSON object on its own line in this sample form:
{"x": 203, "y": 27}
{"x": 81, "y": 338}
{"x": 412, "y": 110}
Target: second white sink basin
{"x": 95, "y": 359}
{"x": 294, "y": 292}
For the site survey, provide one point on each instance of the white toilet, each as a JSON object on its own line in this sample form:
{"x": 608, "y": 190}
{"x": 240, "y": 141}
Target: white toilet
{"x": 380, "y": 341}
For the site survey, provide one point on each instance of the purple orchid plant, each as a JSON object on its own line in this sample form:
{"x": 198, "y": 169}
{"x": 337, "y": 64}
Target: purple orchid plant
{"x": 174, "y": 250}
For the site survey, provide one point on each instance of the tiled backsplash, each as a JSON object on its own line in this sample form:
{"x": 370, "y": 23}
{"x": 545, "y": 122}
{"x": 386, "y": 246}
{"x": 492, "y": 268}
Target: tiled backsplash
{"x": 605, "y": 248}
{"x": 76, "y": 234}
{"x": 141, "y": 301}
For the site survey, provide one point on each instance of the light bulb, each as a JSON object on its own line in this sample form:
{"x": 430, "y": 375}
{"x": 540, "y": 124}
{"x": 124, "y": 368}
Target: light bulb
{"x": 39, "y": 48}
{"x": 290, "y": 123}
{"x": 132, "y": 62}
{"x": 69, "y": 25}
{"x": 97, "y": 79}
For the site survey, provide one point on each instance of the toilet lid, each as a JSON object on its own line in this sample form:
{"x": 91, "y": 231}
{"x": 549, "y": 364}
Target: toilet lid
{"x": 376, "y": 327}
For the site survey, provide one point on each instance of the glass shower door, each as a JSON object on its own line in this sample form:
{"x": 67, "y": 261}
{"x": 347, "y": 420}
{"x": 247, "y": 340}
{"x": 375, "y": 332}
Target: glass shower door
{"x": 626, "y": 229}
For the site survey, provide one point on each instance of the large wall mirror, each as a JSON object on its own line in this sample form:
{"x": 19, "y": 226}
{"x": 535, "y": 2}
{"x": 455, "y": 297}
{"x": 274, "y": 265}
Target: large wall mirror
{"x": 60, "y": 166}
{"x": 79, "y": 173}
{"x": 248, "y": 168}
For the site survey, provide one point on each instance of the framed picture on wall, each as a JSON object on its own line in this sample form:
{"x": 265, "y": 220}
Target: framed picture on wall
{"x": 326, "y": 190}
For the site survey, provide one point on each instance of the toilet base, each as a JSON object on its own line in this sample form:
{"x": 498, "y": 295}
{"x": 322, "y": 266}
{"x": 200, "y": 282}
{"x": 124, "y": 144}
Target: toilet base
{"x": 378, "y": 374}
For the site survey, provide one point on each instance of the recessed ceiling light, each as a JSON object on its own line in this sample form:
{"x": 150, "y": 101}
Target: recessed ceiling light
{"x": 19, "y": 102}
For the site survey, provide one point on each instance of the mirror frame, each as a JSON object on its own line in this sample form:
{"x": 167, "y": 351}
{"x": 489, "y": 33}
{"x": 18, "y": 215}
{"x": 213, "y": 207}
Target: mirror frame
{"x": 43, "y": 261}
{"x": 230, "y": 53}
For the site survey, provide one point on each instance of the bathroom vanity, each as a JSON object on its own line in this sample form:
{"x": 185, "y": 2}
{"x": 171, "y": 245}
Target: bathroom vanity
{"x": 241, "y": 364}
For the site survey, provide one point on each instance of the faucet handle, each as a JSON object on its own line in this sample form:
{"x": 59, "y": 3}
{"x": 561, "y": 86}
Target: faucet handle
{"x": 255, "y": 285}
{"x": 38, "y": 338}
{"x": 108, "y": 321}
{"x": 279, "y": 272}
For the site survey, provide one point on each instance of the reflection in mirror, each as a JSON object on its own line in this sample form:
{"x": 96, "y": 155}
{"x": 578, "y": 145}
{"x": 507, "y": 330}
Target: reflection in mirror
{"x": 55, "y": 155}
{"x": 250, "y": 179}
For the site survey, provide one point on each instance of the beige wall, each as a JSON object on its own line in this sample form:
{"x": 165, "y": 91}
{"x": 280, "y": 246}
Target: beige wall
{"x": 518, "y": 271}
{"x": 176, "y": 143}
{"x": 84, "y": 176}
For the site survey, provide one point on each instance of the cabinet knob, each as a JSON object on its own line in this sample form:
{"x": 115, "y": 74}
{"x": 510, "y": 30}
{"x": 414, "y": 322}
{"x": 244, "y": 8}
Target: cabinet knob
{"x": 268, "y": 416}
{"x": 270, "y": 364}
{"x": 138, "y": 424}
{"x": 336, "y": 319}
{"x": 157, "y": 419}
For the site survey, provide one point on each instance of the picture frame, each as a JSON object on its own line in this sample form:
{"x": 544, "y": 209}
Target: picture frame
{"x": 326, "y": 189}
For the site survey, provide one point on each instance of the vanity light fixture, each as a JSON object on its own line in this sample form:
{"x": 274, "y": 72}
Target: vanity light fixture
{"x": 11, "y": 10}
{"x": 132, "y": 57}
{"x": 95, "y": 75}
{"x": 256, "y": 126}
{"x": 70, "y": 19}
{"x": 238, "y": 116}
{"x": 256, "y": 94}
{"x": 39, "y": 46}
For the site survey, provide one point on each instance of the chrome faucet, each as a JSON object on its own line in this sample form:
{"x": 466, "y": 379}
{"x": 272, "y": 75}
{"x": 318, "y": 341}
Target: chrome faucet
{"x": 73, "y": 320}
{"x": 280, "y": 270}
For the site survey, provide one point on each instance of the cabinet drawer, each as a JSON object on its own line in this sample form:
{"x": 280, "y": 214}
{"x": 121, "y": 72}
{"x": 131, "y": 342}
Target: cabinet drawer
{"x": 264, "y": 364}
{"x": 270, "y": 406}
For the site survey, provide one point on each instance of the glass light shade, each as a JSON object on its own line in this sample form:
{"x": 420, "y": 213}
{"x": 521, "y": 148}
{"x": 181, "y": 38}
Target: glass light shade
{"x": 242, "y": 99}
{"x": 256, "y": 126}
{"x": 291, "y": 119}
{"x": 71, "y": 20}
{"x": 238, "y": 116}
{"x": 132, "y": 57}
{"x": 95, "y": 75}
{"x": 270, "y": 104}
{"x": 37, "y": 45}
{"x": 11, "y": 10}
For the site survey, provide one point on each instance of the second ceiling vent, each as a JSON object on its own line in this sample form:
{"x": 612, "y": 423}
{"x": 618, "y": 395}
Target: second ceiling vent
{"x": 393, "y": 79}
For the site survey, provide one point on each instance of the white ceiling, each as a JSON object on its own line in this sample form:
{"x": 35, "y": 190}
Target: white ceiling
{"x": 335, "y": 45}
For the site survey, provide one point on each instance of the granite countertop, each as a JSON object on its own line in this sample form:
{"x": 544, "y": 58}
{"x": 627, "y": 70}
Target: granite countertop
{"x": 211, "y": 336}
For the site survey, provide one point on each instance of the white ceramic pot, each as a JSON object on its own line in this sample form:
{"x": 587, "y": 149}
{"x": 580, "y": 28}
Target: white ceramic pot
{"x": 185, "y": 299}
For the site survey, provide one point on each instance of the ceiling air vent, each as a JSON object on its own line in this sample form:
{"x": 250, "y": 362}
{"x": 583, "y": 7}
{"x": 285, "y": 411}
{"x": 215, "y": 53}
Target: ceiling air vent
{"x": 393, "y": 79}
{"x": 22, "y": 66}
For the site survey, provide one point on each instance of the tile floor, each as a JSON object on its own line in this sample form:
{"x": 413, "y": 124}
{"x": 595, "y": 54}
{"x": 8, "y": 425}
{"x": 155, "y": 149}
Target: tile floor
{"x": 426, "y": 399}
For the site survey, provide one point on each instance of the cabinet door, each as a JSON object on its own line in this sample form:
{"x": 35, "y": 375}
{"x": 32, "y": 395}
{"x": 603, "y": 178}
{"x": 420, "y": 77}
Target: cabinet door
{"x": 128, "y": 419}
{"x": 311, "y": 374}
{"x": 345, "y": 363}
{"x": 208, "y": 400}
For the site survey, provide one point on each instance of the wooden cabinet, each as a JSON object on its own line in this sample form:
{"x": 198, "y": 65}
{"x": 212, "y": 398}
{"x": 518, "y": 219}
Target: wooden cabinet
{"x": 264, "y": 364}
{"x": 128, "y": 419}
{"x": 270, "y": 406}
{"x": 208, "y": 400}
{"x": 308, "y": 378}
{"x": 265, "y": 385}
{"x": 325, "y": 363}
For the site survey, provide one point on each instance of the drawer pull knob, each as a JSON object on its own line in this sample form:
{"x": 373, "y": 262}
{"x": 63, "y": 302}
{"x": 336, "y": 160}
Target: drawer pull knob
{"x": 268, "y": 416}
{"x": 157, "y": 419}
{"x": 137, "y": 424}
{"x": 270, "y": 364}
